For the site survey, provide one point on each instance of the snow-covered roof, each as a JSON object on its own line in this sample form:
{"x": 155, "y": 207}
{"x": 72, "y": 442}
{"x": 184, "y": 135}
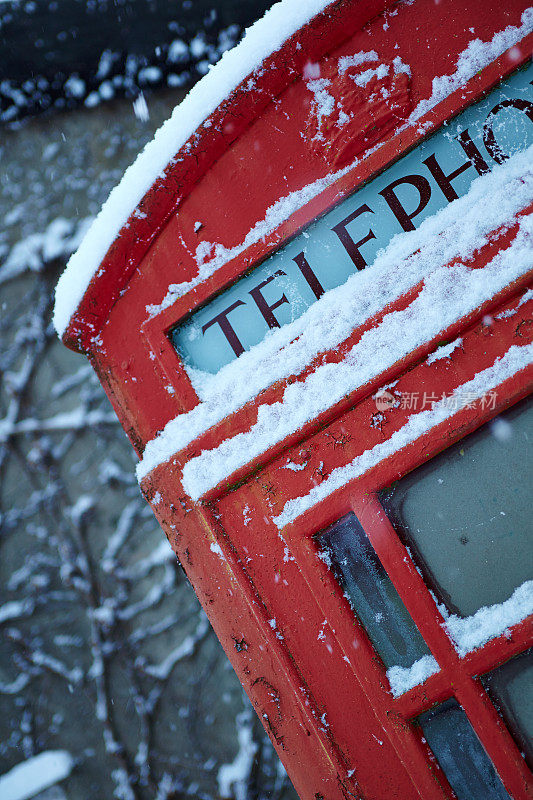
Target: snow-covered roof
{"x": 261, "y": 40}
{"x": 238, "y": 67}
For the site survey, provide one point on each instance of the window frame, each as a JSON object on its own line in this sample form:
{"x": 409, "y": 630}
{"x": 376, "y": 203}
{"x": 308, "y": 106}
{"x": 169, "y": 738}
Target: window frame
{"x": 157, "y": 327}
{"x": 459, "y": 677}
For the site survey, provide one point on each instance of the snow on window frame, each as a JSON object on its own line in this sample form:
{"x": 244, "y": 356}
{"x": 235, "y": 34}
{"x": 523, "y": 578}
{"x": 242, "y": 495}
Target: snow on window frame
{"x": 261, "y": 40}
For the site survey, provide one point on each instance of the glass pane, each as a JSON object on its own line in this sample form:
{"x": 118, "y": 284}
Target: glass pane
{"x": 460, "y": 753}
{"x": 511, "y": 688}
{"x": 372, "y": 594}
{"x": 467, "y": 513}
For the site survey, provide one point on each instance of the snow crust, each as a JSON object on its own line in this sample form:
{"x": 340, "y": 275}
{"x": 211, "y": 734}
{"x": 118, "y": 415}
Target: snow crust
{"x": 444, "y": 352}
{"x": 213, "y": 255}
{"x": 277, "y": 213}
{"x": 36, "y": 774}
{"x": 261, "y": 40}
{"x": 457, "y": 230}
{"x": 447, "y": 295}
{"x": 469, "y": 633}
{"x": 515, "y": 359}
{"x": 474, "y": 58}
{"x": 402, "y": 679}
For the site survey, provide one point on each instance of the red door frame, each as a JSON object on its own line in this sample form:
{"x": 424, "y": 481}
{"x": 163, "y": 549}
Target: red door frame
{"x": 483, "y": 341}
{"x": 195, "y": 528}
{"x": 458, "y": 675}
{"x": 361, "y": 497}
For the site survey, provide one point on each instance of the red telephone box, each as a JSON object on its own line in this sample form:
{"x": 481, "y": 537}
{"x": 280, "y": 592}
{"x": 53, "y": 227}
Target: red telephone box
{"x": 308, "y": 303}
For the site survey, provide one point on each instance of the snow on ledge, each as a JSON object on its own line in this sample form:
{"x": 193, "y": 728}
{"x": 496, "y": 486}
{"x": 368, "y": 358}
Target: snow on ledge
{"x": 457, "y": 230}
{"x": 474, "y": 58}
{"x": 515, "y": 359}
{"x": 262, "y": 39}
{"x": 30, "y": 777}
{"x": 402, "y": 679}
{"x": 448, "y": 294}
{"x": 444, "y": 352}
{"x": 469, "y": 633}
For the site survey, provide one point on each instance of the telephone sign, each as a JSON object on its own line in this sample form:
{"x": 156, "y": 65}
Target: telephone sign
{"x": 349, "y": 236}
{"x": 316, "y": 329}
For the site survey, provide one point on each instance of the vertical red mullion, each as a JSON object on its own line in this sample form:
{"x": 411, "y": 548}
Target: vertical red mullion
{"x": 483, "y": 716}
{"x": 407, "y": 580}
{"x": 495, "y": 738}
{"x": 428, "y": 778}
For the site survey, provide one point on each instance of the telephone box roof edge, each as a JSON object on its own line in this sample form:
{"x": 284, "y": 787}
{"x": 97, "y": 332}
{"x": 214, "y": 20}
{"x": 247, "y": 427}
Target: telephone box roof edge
{"x": 238, "y": 69}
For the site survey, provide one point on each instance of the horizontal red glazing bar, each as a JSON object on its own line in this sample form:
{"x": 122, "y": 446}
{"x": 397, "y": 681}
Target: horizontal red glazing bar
{"x": 246, "y": 417}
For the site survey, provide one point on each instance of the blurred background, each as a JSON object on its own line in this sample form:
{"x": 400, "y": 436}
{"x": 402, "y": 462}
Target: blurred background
{"x": 105, "y": 653}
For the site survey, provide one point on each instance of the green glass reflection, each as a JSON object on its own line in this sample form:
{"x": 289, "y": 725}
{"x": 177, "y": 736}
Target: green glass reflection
{"x": 461, "y": 755}
{"x": 467, "y": 513}
{"x": 511, "y": 688}
{"x": 372, "y": 594}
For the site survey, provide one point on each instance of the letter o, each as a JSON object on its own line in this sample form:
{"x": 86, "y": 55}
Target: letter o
{"x": 489, "y": 140}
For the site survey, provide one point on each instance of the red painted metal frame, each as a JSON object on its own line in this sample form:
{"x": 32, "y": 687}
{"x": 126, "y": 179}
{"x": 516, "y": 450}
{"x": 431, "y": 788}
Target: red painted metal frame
{"x": 483, "y": 341}
{"x": 327, "y": 708}
{"x": 117, "y": 371}
{"x": 156, "y": 327}
{"x": 324, "y": 32}
{"x": 246, "y": 416}
{"x": 457, "y": 676}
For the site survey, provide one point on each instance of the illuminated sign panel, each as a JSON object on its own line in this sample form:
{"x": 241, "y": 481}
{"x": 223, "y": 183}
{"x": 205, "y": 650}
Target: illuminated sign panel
{"x": 348, "y": 237}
